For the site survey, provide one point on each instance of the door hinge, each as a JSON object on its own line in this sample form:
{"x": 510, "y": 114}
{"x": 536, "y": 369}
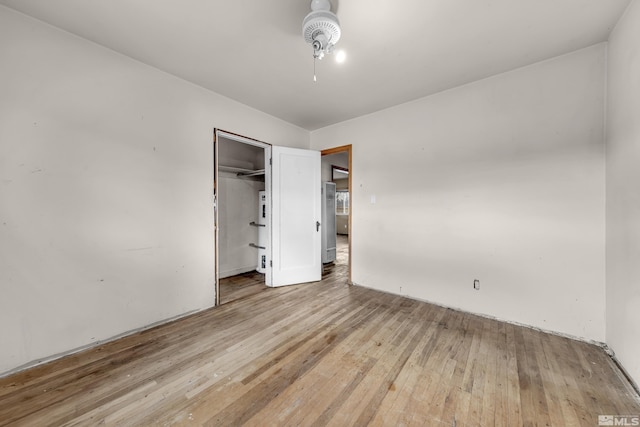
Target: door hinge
{"x": 270, "y": 263}
{"x": 270, "y": 160}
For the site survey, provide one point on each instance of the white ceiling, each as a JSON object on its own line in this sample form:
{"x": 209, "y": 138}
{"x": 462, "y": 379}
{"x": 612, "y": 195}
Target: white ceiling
{"x": 398, "y": 50}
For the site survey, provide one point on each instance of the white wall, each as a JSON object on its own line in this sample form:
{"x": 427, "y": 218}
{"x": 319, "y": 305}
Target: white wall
{"x": 106, "y": 218}
{"x": 623, "y": 196}
{"x": 501, "y": 180}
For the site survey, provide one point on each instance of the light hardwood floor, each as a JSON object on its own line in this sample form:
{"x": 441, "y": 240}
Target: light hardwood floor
{"x": 325, "y": 354}
{"x": 241, "y": 286}
{"x": 246, "y": 284}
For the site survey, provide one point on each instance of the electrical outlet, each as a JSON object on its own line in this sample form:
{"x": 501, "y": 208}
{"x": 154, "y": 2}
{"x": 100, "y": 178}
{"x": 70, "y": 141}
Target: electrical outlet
{"x": 476, "y": 284}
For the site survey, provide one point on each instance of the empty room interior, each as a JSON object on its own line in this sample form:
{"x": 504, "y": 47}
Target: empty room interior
{"x": 301, "y": 212}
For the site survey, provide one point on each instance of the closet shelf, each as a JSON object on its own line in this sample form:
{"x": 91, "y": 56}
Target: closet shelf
{"x": 240, "y": 172}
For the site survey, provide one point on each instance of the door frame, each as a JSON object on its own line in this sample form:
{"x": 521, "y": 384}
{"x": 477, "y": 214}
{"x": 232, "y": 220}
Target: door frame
{"x": 250, "y": 141}
{"x": 348, "y": 150}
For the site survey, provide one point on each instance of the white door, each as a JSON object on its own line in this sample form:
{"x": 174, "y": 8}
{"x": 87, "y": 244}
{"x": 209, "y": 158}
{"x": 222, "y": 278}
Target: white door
{"x": 295, "y": 216}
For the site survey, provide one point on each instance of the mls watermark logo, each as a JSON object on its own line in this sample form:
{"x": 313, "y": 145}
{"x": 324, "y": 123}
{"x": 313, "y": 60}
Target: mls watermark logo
{"x": 619, "y": 420}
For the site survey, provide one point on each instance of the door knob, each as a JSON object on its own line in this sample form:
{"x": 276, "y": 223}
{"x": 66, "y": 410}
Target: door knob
{"x": 317, "y": 225}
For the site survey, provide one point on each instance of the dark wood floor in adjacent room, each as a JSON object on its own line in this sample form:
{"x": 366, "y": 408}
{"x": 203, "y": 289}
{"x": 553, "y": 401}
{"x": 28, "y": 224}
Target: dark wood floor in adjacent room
{"x": 325, "y": 354}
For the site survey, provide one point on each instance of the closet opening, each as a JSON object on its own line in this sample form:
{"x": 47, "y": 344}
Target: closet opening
{"x": 241, "y": 216}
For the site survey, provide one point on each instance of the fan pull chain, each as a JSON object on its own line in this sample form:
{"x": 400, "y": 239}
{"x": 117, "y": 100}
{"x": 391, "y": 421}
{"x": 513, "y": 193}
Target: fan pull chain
{"x": 314, "y": 70}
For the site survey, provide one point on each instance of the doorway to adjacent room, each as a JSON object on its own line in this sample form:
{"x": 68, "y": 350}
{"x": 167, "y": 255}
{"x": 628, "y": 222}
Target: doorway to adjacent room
{"x": 337, "y": 168}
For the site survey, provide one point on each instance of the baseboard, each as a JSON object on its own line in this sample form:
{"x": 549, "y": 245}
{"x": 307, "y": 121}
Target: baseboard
{"x": 236, "y": 271}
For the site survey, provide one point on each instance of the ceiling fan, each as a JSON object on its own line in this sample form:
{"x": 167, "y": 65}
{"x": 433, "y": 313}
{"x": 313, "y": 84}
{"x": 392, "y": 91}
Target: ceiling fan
{"x": 321, "y": 29}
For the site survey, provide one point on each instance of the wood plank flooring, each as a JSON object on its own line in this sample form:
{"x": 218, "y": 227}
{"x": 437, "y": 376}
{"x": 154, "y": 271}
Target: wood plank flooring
{"x": 241, "y": 286}
{"x": 246, "y": 284}
{"x": 325, "y": 354}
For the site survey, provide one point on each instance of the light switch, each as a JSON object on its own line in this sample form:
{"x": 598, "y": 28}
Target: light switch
{"x": 373, "y": 199}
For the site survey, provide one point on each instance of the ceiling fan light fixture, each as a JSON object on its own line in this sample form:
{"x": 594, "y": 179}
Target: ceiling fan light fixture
{"x": 321, "y": 28}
